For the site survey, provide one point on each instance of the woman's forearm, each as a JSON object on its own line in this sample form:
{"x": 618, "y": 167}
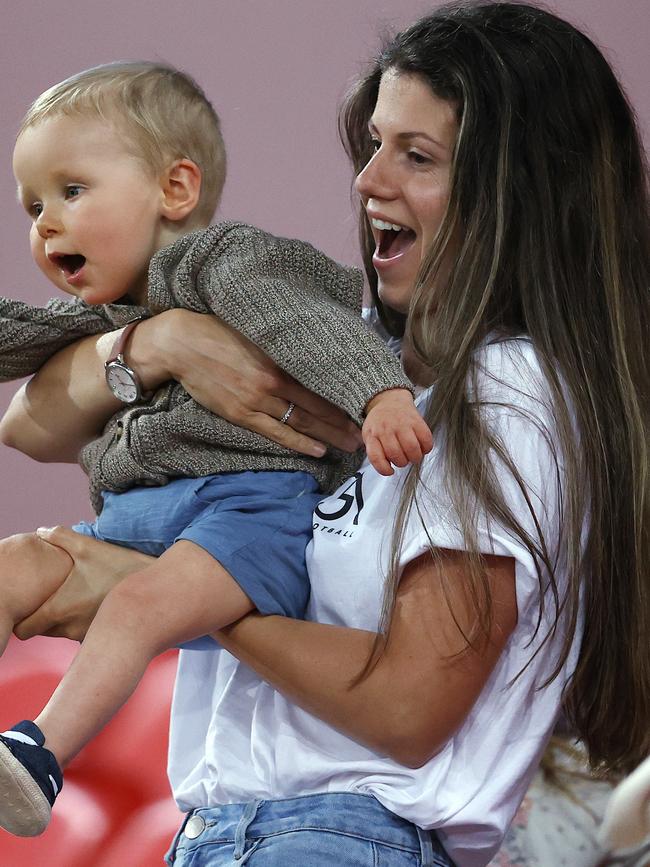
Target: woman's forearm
{"x": 67, "y": 403}
{"x": 425, "y": 682}
{"x": 63, "y": 406}
{"x": 315, "y": 666}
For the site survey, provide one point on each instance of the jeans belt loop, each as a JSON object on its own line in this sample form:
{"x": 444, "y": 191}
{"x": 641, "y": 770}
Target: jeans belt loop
{"x": 426, "y": 847}
{"x": 250, "y": 810}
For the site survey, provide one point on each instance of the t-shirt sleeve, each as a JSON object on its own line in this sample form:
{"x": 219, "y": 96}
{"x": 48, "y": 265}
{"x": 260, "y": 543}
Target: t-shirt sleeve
{"x": 514, "y": 400}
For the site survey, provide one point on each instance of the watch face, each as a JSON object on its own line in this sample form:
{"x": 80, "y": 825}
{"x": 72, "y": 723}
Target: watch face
{"x": 121, "y": 382}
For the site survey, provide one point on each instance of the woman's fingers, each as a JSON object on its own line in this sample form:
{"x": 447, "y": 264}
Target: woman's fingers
{"x": 226, "y": 373}
{"x": 313, "y": 420}
{"x": 97, "y": 567}
{"x": 63, "y": 537}
{"x": 313, "y": 404}
{"x": 319, "y": 420}
{"x": 283, "y": 434}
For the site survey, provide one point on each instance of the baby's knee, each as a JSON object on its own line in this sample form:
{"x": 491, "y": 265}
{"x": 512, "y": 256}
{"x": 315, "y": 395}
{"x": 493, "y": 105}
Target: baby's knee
{"x": 30, "y": 551}
{"x": 126, "y": 602}
{"x": 31, "y": 570}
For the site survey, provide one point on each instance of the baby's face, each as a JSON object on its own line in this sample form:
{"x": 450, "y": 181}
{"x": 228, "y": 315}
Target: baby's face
{"x": 95, "y": 209}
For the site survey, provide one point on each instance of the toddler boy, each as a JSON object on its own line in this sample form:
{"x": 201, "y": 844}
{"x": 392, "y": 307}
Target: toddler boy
{"x": 120, "y": 169}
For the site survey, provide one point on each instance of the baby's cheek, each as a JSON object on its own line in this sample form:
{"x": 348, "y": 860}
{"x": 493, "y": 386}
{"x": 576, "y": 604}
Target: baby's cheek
{"x": 37, "y": 246}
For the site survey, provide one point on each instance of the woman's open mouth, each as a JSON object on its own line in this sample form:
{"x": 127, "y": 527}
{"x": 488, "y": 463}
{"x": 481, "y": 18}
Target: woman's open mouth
{"x": 393, "y": 241}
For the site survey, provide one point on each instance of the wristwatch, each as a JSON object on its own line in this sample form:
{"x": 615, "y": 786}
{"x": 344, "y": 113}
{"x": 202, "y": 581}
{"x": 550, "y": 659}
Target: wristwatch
{"x": 121, "y": 379}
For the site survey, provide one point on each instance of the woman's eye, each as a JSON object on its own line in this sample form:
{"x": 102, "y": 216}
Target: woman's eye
{"x": 418, "y": 158}
{"x": 375, "y": 144}
{"x": 72, "y": 191}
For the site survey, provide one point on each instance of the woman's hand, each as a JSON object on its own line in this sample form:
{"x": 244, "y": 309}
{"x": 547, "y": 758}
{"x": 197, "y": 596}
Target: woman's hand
{"x": 229, "y": 375}
{"x": 97, "y": 567}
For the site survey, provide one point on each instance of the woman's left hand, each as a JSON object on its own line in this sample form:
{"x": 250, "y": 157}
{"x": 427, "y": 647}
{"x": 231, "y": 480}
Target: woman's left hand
{"x": 230, "y": 376}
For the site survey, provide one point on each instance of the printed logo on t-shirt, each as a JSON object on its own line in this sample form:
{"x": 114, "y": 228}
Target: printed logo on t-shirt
{"x": 351, "y": 497}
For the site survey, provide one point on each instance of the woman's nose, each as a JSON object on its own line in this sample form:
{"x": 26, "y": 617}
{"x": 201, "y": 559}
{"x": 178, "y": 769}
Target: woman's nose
{"x": 375, "y": 180}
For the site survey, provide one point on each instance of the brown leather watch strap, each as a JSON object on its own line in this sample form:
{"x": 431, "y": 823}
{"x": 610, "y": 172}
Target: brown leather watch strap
{"x": 120, "y": 343}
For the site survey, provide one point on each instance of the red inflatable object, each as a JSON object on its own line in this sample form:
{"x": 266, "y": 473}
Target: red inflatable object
{"x": 145, "y": 839}
{"x": 115, "y": 808}
{"x": 74, "y": 838}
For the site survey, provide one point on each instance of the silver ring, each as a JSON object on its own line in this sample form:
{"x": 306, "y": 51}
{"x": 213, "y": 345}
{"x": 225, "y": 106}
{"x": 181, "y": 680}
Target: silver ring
{"x": 285, "y": 418}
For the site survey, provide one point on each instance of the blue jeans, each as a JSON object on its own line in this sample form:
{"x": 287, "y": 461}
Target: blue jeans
{"x": 338, "y": 829}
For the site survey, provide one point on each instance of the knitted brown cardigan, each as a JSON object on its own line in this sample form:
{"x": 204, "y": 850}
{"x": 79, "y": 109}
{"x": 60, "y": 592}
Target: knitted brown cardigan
{"x": 294, "y": 302}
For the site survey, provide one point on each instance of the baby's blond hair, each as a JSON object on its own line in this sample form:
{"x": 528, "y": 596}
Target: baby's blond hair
{"x": 162, "y": 111}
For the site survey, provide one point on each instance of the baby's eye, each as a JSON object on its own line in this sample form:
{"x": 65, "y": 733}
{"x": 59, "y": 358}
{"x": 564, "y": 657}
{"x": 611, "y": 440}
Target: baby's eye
{"x": 72, "y": 191}
{"x": 35, "y": 210}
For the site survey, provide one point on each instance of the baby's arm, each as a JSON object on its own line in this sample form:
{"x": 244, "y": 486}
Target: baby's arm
{"x": 300, "y": 308}
{"x": 30, "y": 335}
{"x": 394, "y": 432}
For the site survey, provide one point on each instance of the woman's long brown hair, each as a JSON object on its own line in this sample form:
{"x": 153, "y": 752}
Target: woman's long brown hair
{"x": 548, "y": 218}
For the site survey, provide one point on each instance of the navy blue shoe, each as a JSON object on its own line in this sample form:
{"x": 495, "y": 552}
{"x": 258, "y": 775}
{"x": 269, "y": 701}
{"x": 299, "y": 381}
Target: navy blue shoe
{"x": 30, "y": 780}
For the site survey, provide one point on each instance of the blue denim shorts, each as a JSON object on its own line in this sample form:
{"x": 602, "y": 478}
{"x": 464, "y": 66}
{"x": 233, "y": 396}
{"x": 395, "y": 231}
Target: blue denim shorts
{"x": 341, "y": 829}
{"x": 256, "y": 524}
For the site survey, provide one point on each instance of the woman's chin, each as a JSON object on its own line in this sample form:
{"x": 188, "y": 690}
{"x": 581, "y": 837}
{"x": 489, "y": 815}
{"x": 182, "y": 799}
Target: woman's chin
{"x": 397, "y": 298}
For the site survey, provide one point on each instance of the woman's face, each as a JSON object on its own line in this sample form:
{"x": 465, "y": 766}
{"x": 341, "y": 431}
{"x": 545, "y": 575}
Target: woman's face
{"x": 405, "y": 186}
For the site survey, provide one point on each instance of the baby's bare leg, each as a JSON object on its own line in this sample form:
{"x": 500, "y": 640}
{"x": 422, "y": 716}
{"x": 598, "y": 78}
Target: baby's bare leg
{"x": 183, "y": 595}
{"x": 30, "y": 571}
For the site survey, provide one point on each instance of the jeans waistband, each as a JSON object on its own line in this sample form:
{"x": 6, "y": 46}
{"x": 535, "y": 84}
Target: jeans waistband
{"x": 343, "y": 812}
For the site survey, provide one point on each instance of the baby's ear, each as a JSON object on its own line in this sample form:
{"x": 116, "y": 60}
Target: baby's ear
{"x": 181, "y": 187}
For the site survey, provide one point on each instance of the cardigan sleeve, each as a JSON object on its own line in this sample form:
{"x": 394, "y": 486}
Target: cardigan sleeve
{"x": 296, "y": 304}
{"x": 30, "y": 335}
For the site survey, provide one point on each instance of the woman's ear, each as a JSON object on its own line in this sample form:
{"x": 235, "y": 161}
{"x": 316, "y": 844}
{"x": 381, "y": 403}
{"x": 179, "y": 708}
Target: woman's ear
{"x": 181, "y": 187}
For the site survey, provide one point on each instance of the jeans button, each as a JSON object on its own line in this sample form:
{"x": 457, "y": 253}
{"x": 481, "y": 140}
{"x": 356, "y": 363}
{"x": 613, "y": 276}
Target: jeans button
{"x": 195, "y": 827}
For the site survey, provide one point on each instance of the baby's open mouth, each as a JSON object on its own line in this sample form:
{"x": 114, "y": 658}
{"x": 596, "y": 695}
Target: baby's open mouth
{"x": 69, "y": 263}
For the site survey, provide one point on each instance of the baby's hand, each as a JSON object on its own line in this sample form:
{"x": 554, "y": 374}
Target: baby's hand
{"x": 394, "y": 432}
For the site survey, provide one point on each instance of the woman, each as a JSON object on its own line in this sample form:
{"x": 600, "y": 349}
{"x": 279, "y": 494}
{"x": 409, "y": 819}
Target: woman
{"x": 504, "y": 226}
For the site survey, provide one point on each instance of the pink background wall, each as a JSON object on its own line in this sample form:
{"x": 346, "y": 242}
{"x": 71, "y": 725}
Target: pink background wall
{"x": 276, "y": 71}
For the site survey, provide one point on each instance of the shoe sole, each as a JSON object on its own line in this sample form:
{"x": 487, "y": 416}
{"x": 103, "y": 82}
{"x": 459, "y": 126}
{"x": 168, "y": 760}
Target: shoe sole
{"x": 24, "y": 809}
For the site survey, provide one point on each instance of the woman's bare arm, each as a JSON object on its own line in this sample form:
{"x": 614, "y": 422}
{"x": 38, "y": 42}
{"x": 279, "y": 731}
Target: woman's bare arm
{"x": 67, "y": 403}
{"x": 425, "y": 682}
{"x": 409, "y": 705}
{"x": 64, "y": 406}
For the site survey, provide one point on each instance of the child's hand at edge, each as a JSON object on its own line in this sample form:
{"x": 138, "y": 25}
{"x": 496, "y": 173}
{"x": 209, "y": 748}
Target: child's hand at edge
{"x": 394, "y": 432}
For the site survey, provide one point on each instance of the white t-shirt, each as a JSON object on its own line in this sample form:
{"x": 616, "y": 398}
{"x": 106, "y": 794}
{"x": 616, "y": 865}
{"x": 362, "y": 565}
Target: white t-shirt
{"x": 235, "y": 738}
